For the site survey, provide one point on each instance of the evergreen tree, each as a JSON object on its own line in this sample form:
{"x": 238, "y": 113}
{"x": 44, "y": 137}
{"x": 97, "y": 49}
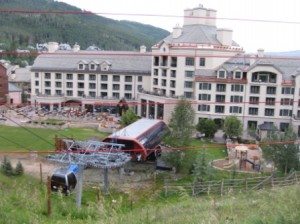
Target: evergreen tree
{"x": 6, "y": 167}
{"x": 179, "y": 134}
{"x": 202, "y": 170}
{"x": 19, "y": 171}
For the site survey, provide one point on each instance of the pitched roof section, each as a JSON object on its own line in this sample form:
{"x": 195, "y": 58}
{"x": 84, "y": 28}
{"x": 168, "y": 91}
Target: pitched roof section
{"x": 197, "y": 34}
{"x": 125, "y": 62}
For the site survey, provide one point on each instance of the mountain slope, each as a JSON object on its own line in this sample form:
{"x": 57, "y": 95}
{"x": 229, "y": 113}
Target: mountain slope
{"x": 87, "y": 29}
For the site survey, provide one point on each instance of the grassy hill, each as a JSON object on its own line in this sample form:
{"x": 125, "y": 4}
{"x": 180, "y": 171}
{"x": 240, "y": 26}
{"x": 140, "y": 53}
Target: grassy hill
{"x": 23, "y": 29}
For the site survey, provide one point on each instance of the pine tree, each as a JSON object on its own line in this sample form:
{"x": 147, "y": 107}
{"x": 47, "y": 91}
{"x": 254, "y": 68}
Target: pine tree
{"x": 19, "y": 171}
{"x": 6, "y": 167}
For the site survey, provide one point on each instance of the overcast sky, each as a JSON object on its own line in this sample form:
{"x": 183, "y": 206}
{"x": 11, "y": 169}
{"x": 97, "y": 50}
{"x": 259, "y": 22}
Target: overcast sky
{"x": 282, "y": 35}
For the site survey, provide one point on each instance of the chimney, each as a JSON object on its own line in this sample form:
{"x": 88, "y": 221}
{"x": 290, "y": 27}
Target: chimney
{"x": 177, "y": 31}
{"x": 200, "y": 16}
{"x": 260, "y": 53}
{"x": 224, "y": 36}
{"x": 76, "y": 47}
{"x": 143, "y": 49}
{"x": 52, "y": 47}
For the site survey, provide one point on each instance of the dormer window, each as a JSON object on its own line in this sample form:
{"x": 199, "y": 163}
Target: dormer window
{"x": 92, "y": 67}
{"x": 237, "y": 75}
{"x": 80, "y": 66}
{"x": 222, "y": 74}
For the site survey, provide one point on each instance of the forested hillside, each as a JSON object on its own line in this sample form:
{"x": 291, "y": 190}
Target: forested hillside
{"x": 23, "y": 29}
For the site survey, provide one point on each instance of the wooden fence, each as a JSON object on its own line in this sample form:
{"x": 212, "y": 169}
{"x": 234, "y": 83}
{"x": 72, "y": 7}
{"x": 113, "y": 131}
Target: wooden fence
{"x": 225, "y": 186}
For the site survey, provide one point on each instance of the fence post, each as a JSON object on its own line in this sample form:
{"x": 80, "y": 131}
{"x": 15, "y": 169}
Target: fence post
{"x": 222, "y": 186}
{"x": 166, "y": 189}
{"x": 49, "y": 211}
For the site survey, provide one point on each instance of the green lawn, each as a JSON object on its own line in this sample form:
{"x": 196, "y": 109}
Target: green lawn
{"x": 38, "y": 139}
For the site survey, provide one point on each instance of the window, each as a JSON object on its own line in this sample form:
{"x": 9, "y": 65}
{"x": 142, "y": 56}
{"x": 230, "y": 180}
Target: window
{"x": 286, "y": 101}
{"x": 37, "y": 83}
{"x": 80, "y": 85}
{"x": 69, "y": 93}
{"x": 69, "y": 76}
{"x": 173, "y": 62}
{"x": 80, "y": 93}
{"x": 188, "y": 84}
{"x": 58, "y": 84}
{"x": 103, "y": 94}
{"x": 116, "y": 95}
{"x": 36, "y": 75}
{"x": 80, "y": 77}
{"x": 235, "y": 110}
{"x": 254, "y": 100}
{"x": 188, "y": 95}
{"x": 204, "y": 107}
{"x": 92, "y": 94}
{"x": 104, "y": 78}
{"x": 204, "y": 97}
{"x": 116, "y": 87}
{"x": 219, "y": 109}
{"x": 81, "y": 66}
{"x": 58, "y": 92}
{"x": 271, "y": 90}
{"x": 140, "y": 78}
{"x": 128, "y": 96}
{"x": 236, "y": 99}
{"x": 237, "y": 88}
{"x": 69, "y": 84}
{"x": 48, "y": 92}
{"x": 221, "y": 74}
{"x": 253, "y": 111}
{"x": 47, "y": 75}
{"x": 116, "y": 78}
{"x": 255, "y": 89}
{"x": 92, "y": 85}
{"x": 287, "y": 90}
{"x": 47, "y": 84}
{"x": 285, "y": 113}
{"x": 205, "y": 86}
{"x": 128, "y": 87}
{"x": 220, "y": 98}
{"x": 189, "y": 74}
{"x": 189, "y": 61}
{"x": 92, "y": 67}
{"x": 270, "y": 101}
{"x": 92, "y": 77}
{"x": 156, "y": 61}
{"x": 173, "y": 73}
{"x": 202, "y": 62}
{"x": 221, "y": 87}
{"x": 128, "y": 79}
{"x": 238, "y": 75}
{"x": 283, "y": 126}
{"x": 269, "y": 112}
{"x": 58, "y": 76}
